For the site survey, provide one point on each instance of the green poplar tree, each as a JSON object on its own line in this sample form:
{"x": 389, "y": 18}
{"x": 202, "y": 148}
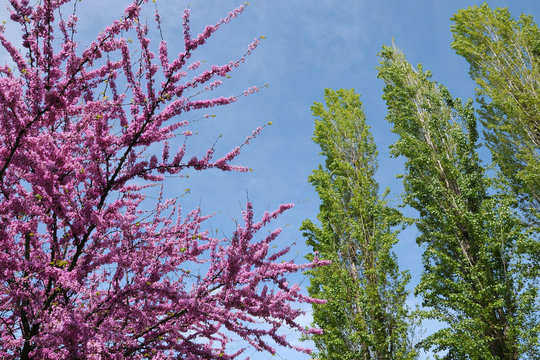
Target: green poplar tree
{"x": 365, "y": 316}
{"x": 474, "y": 277}
{"x": 504, "y": 58}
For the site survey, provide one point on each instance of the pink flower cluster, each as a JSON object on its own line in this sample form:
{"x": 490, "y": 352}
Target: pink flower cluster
{"x": 84, "y": 271}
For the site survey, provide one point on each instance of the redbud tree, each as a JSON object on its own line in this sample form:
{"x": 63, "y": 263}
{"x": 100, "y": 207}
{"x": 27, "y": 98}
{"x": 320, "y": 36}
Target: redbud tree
{"x": 85, "y": 271}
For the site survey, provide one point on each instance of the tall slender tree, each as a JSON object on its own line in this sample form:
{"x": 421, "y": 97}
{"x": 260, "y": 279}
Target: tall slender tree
{"x": 365, "y": 316}
{"x": 473, "y": 278}
{"x": 504, "y": 58}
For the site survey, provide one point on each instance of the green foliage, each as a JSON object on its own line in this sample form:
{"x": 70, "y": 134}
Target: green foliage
{"x": 476, "y": 248}
{"x": 504, "y": 58}
{"x": 365, "y": 316}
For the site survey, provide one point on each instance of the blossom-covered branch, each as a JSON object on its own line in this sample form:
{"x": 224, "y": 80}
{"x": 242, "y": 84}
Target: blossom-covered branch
{"x": 84, "y": 271}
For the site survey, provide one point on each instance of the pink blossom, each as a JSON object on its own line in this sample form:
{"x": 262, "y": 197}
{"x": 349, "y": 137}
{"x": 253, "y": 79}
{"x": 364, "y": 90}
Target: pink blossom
{"x": 86, "y": 271}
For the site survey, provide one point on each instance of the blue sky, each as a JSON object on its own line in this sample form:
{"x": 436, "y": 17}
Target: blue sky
{"x": 309, "y": 46}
